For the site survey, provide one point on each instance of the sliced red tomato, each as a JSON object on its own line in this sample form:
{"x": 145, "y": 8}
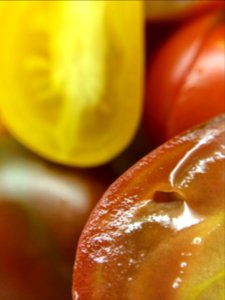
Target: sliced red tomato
{"x": 158, "y": 231}
{"x": 186, "y": 79}
{"x": 43, "y": 208}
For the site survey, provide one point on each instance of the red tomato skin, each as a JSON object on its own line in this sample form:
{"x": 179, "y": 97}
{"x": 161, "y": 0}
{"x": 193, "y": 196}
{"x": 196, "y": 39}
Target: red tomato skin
{"x": 180, "y": 79}
{"x": 202, "y": 94}
{"x": 104, "y": 247}
{"x": 204, "y": 7}
{"x": 43, "y": 208}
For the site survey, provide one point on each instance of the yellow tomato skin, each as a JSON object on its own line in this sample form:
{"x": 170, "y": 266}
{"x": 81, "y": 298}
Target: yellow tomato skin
{"x": 71, "y": 81}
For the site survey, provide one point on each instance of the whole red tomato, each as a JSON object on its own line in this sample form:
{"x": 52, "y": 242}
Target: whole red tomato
{"x": 43, "y": 208}
{"x": 158, "y": 231}
{"x": 186, "y": 79}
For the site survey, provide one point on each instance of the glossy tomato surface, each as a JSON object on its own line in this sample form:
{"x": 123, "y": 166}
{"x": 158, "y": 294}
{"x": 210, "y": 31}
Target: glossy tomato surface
{"x": 186, "y": 78}
{"x": 43, "y": 208}
{"x": 158, "y": 231}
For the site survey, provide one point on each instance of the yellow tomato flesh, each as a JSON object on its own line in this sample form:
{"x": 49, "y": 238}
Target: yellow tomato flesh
{"x": 71, "y": 79}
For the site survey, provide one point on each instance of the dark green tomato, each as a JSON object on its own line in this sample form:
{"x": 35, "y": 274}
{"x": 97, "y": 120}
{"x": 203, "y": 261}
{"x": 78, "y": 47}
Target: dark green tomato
{"x": 43, "y": 209}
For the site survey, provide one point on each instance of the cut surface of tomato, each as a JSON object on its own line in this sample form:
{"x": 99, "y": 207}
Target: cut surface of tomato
{"x": 72, "y": 77}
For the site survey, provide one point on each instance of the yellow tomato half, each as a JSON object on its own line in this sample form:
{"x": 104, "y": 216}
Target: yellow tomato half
{"x": 71, "y": 76}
